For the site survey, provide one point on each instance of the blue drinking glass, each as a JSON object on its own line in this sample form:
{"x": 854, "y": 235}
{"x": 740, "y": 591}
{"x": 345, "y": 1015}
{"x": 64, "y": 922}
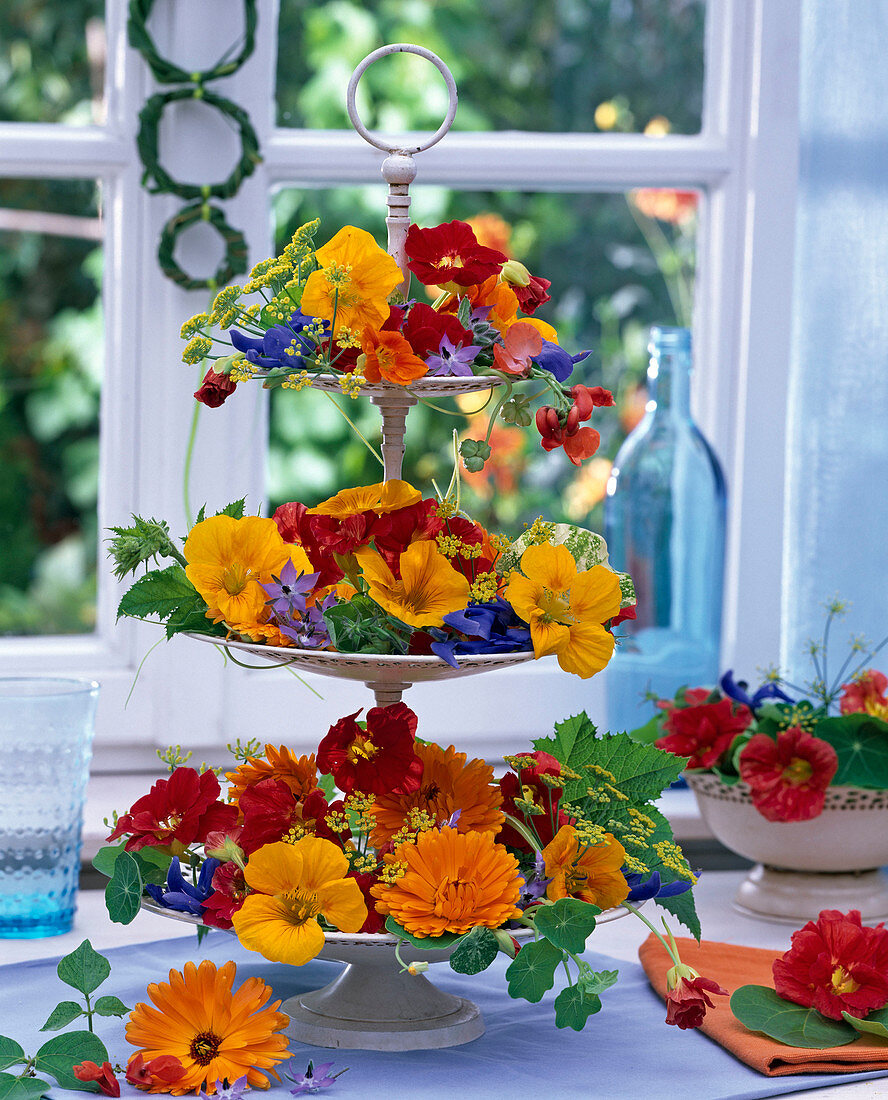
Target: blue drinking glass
{"x": 46, "y": 731}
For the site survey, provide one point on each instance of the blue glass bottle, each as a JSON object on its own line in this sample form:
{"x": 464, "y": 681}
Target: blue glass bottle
{"x": 664, "y": 520}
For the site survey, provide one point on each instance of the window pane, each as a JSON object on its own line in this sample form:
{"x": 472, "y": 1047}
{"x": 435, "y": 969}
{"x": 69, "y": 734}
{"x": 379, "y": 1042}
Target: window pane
{"x": 50, "y": 376}
{"x": 52, "y": 61}
{"x": 618, "y": 263}
{"x": 570, "y": 66}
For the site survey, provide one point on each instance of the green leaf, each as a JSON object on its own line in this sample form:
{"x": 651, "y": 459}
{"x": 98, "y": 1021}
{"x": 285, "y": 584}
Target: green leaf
{"x": 424, "y": 943}
{"x": 361, "y": 626}
{"x": 62, "y": 1015}
{"x": 153, "y": 866}
{"x": 123, "y": 894}
{"x": 111, "y": 1006}
{"x": 532, "y": 971}
{"x": 235, "y": 509}
{"x": 11, "y": 1054}
{"x": 861, "y": 744}
{"x": 760, "y": 1009}
{"x": 191, "y": 615}
{"x": 60, "y": 1054}
{"x": 327, "y": 786}
{"x": 201, "y": 515}
{"x": 573, "y": 1007}
{"x": 597, "y": 981}
{"x": 875, "y": 1024}
{"x": 22, "y": 1088}
{"x": 649, "y": 732}
{"x": 157, "y": 593}
{"x": 567, "y": 924}
{"x": 681, "y": 906}
{"x": 105, "y": 858}
{"x": 475, "y": 952}
{"x": 84, "y": 969}
{"x": 203, "y": 931}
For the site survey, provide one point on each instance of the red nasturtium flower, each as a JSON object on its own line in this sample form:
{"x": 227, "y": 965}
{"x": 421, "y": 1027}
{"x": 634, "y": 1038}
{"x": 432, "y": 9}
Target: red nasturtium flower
{"x": 426, "y": 327}
{"x": 156, "y": 1075}
{"x": 178, "y": 810}
{"x": 450, "y": 253}
{"x": 867, "y": 694}
{"x": 788, "y": 777}
{"x": 229, "y": 890}
{"x": 103, "y": 1076}
{"x": 835, "y": 965}
{"x": 687, "y": 996}
{"x": 215, "y": 388}
{"x": 375, "y": 760}
{"x": 271, "y": 813}
{"x": 703, "y": 732}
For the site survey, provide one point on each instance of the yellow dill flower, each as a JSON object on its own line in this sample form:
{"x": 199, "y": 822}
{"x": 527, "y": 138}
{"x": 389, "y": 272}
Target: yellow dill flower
{"x": 197, "y": 348}
{"x": 225, "y": 309}
{"x": 483, "y": 589}
{"x": 603, "y": 772}
{"x": 539, "y": 532}
{"x": 194, "y": 325}
{"x": 241, "y": 371}
{"x": 635, "y": 866}
{"x": 391, "y": 872}
{"x": 351, "y": 384}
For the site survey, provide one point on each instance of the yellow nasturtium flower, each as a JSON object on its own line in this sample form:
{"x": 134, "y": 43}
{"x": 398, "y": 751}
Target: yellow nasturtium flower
{"x": 354, "y": 279}
{"x": 429, "y": 587}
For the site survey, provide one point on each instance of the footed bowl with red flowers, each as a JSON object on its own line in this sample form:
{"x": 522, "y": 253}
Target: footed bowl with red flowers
{"x": 831, "y": 861}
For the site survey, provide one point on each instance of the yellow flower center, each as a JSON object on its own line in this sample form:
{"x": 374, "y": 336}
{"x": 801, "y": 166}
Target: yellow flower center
{"x": 555, "y": 606}
{"x": 234, "y": 578}
{"x": 204, "y": 1047}
{"x": 877, "y": 709}
{"x": 340, "y": 281}
{"x": 798, "y": 771}
{"x": 453, "y": 260}
{"x": 362, "y": 748}
{"x": 842, "y": 982}
{"x": 575, "y": 880}
{"x": 527, "y": 793}
{"x": 302, "y": 904}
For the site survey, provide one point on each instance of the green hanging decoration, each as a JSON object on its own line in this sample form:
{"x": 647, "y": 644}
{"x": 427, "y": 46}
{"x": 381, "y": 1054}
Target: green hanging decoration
{"x": 159, "y": 181}
{"x": 147, "y": 141}
{"x": 166, "y": 72}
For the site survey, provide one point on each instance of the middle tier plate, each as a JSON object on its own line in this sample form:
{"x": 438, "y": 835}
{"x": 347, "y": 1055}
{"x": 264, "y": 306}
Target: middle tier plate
{"x": 443, "y": 386}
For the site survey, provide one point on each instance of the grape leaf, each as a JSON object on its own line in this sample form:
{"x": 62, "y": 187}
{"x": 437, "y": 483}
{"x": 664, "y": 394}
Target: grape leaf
{"x": 235, "y": 509}
{"x": 760, "y": 1009}
{"x": 84, "y": 969}
{"x": 532, "y": 971}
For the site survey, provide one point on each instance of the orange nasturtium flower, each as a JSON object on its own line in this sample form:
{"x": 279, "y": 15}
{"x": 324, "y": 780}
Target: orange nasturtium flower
{"x": 448, "y": 782}
{"x": 230, "y": 559}
{"x": 388, "y": 356}
{"x": 429, "y": 587}
{"x": 381, "y": 498}
{"x": 300, "y": 773}
{"x": 354, "y": 279}
{"x": 294, "y": 884}
{"x": 213, "y": 1033}
{"x": 565, "y": 608}
{"x": 588, "y": 872}
{"x": 453, "y": 882}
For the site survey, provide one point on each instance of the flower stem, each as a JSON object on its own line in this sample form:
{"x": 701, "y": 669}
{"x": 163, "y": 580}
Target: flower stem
{"x": 354, "y": 428}
{"x": 672, "y": 952}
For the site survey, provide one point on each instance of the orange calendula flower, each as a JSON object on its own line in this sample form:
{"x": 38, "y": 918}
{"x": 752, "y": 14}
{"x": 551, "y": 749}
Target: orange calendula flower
{"x": 354, "y": 280}
{"x": 588, "y": 872}
{"x": 382, "y": 497}
{"x": 447, "y": 784}
{"x": 230, "y": 559}
{"x": 388, "y": 356}
{"x": 214, "y": 1033}
{"x": 565, "y": 608}
{"x": 294, "y": 884}
{"x": 454, "y": 882}
{"x": 300, "y": 774}
{"x": 429, "y": 587}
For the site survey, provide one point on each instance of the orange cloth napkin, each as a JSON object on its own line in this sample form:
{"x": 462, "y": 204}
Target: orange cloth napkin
{"x": 732, "y": 967}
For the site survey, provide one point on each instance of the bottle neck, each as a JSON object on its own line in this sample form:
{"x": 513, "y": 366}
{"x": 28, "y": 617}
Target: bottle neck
{"x": 669, "y": 381}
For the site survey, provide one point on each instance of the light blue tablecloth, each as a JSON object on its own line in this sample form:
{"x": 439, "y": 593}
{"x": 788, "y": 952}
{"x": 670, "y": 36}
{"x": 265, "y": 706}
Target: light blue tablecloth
{"x": 624, "y": 1051}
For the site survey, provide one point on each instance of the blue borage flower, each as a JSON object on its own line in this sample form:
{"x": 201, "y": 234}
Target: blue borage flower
{"x": 641, "y": 889}
{"x": 285, "y": 346}
{"x": 737, "y": 689}
{"x": 491, "y": 627}
{"x": 314, "y": 1079}
{"x": 181, "y": 895}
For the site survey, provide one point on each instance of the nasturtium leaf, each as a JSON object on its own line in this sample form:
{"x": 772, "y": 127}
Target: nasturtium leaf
{"x": 159, "y": 592}
{"x": 532, "y": 971}
{"x": 424, "y": 943}
{"x": 22, "y": 1088}
{"x": 111, "y": 1006}
{"x": 123, "y": 894}
{"x": 876, "y": 1023}
{"x": 11, "y": 1054}
{"x": 84, "y": 969}
{"x": 597, "y": 981}
{"x": 475, "y": 952}
{"x": 573, "y": 1007}
{"x": 567, "y": 924}
{"x": 760, "y": 1009}
{"x": 152, "y": 866}
{"x": 106, "y": 857}
{"x": 861, "y": 744}
{"x": 62, "y": 1015}
{"x": 60, "y": 1054}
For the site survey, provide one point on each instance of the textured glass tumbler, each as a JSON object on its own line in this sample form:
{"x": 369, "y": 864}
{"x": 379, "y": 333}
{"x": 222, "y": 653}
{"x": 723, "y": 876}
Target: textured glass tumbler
{"x": 46, "y": 731}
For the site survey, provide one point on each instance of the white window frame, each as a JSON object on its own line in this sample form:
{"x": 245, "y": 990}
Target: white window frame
{"x": 745, "y": 158}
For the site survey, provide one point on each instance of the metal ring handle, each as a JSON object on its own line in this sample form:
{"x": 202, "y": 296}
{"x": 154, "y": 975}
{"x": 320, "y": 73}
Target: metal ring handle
{"x": 385, "y": 51}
